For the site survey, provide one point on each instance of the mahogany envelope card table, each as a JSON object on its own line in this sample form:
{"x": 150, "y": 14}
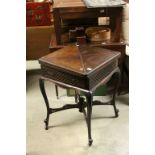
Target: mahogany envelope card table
{"x": 83, "y": 68}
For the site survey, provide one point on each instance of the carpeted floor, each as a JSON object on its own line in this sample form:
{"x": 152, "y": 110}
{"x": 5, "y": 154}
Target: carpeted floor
{"x": 67, "y": 134}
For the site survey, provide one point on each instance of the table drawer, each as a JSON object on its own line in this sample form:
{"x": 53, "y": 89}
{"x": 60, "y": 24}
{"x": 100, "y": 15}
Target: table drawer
{"x": 64, "y": 77}
{"x": 99, "y": 75}
{"x": 85, "y": 82}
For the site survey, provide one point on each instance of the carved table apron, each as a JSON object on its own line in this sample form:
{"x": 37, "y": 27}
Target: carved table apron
{"x": 83, "y": 68}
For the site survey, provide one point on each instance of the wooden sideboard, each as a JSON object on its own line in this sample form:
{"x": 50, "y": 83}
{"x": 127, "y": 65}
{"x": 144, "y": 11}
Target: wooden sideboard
{"x": 67, "y": 10}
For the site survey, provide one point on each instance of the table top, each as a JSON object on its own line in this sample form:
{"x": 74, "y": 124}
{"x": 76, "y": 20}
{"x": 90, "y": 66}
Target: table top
{"x": 82, "y": 59}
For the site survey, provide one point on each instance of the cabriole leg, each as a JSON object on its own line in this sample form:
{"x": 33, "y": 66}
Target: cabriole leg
{"x": 42, "y": 88}
{"x": 89, "y": 97}
{"x": 117, "y": 83}
{"x": 57, "y": 93}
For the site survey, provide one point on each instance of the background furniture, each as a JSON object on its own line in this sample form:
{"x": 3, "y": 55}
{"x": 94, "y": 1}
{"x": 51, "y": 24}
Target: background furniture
{"x": 67, "y": 10}
{"x": 38, "y": 13}
{"x": 39, "y": 28}
{"x": 37, "y": 41}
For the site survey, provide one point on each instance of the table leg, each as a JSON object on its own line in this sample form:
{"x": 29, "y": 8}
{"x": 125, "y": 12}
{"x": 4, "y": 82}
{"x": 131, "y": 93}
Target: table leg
{"x": 42, "y": 88}
{"x": 57, "y": 93}
{"x": 76, "y": 96}
{"x": 117, "y": 83}
{"x": 81, "y": 104}
{"x": 89, "y": 97}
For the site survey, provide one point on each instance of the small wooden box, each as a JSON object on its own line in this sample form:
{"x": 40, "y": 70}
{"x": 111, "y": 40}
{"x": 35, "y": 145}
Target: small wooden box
{"x": 38, "y": 14}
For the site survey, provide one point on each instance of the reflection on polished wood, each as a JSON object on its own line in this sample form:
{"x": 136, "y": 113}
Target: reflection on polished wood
{"x": 80, "y": 58}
